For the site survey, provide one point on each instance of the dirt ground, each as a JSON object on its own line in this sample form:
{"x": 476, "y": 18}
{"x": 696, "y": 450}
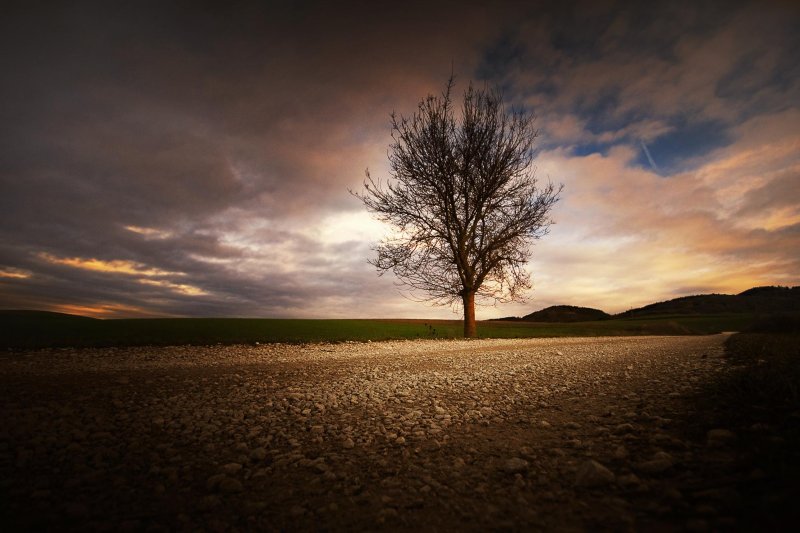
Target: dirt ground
{"x": 535, "y": 434}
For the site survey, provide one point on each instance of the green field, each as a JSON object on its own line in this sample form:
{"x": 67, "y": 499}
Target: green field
{"x": 40, "y": 330}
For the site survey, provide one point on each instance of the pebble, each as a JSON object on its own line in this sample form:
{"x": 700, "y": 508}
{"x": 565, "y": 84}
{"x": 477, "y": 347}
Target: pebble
{"x": 660, "y": 463}
{"x": 717, "y": 438}
{"x": 258, "y": 454}
{"x": 515, "y": 465}
{"x": 593, "y": 474}
{"x": 629, "y": 480}
{"x": 231, "y": 468}
{"x": 621, "y": 452}
{"x": 230, "y": 485}
{"x": 213, "y": 481}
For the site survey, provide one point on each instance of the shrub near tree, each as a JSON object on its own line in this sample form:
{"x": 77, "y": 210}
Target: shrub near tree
{"x": 462, "y": 200}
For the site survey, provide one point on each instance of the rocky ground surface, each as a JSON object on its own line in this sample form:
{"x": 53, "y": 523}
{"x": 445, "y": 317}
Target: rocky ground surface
{"x": 542, "y": 434}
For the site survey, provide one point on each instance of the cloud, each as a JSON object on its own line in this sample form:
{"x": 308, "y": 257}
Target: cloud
{"x": 178, "y": 161}
{"x": 626, "y": 236}
{"x": 114, "y": 266}
{"x": 181, "y": 288}
{"x": 14, "y": 273}
{"x": 152, "y": 233}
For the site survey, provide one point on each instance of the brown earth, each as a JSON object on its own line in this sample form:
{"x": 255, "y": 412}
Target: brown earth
{"x": 542, "y": 434}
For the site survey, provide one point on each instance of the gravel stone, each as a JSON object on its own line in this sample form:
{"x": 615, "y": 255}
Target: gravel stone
{"x": 719, "y": 437}
{"x": 426, "y": 434}
{"x": 229, "y": 485}
{"x": 515, "y": 465}
{"x": 660, "y": 463}
{"x": 593, "y": 474}
{"x": 231, "y": 468}
{"x": 258, "y": 454}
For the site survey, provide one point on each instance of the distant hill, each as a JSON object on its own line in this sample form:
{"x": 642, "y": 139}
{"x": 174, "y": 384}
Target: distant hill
{"x": 11, "y": 316}
{"x": 756, "y": 300}
{"x": 566, "y": 313}
{"x": 24, "y": 328}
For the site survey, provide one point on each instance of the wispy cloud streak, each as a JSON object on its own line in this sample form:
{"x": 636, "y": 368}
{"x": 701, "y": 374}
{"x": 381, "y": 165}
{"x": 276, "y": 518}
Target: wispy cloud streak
{"x": 649, "y": 157}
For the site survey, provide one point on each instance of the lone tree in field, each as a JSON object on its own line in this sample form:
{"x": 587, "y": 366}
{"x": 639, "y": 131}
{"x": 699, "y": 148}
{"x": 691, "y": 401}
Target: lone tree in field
{"x": 463, "y": 201}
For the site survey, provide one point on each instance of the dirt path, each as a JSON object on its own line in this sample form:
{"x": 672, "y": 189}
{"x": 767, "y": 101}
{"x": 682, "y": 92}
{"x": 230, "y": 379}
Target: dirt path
{"x": 549, "y": 434}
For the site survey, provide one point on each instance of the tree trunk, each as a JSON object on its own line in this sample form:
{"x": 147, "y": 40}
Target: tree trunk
{"x": 470, "y": 328}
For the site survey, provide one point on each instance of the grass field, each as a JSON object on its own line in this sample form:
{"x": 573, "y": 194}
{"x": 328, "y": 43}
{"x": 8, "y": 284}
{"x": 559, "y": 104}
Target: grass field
{"x": 30, "y": 329}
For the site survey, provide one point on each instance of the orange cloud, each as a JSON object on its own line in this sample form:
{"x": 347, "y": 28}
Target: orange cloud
{"x": 116, "y": 266}
{"x": 14, "y": 273}
{"x": 151, "y": 233}
{"x": 181, "y": 288}
{"x": 129, "y": 268}
{"x": 101, "y": 310}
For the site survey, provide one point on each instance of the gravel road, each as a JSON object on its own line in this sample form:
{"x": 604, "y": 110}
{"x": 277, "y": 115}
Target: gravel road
{"x": 547, "y": 434}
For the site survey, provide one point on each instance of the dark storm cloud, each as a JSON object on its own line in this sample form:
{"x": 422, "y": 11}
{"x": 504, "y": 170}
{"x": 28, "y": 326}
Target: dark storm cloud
{"x": 197, "y": 152}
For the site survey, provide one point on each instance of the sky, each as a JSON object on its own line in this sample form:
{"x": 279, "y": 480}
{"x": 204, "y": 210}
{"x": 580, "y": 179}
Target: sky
{"x": 171, "y": 159}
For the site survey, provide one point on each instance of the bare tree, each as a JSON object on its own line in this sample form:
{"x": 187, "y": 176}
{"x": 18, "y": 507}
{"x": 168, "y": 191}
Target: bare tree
{"x": 462, "y": 200}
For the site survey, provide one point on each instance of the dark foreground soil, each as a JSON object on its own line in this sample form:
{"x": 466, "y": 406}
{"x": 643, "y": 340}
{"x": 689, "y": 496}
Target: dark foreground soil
{"x": 543, "y": 434}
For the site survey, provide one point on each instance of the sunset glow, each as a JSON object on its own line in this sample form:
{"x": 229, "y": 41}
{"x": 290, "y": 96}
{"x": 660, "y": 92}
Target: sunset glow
{"x": 201, "y": 166}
